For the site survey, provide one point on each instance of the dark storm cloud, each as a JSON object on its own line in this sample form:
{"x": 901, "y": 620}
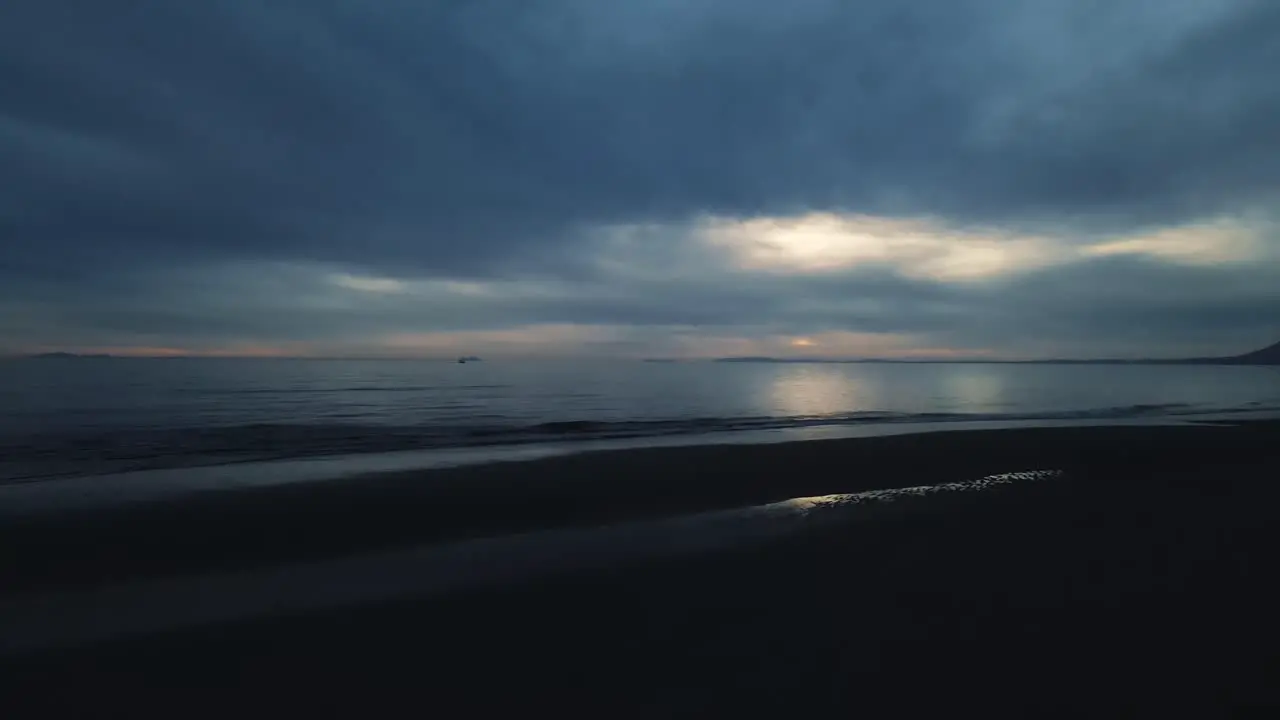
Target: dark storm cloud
{"x": 1123, "y": 306}
{"x": 174, "y": 170}
{"x": 455, "y": 136}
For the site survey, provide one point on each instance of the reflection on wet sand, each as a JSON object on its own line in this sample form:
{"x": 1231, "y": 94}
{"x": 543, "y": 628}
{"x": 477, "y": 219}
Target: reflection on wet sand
{"x": 811, "y": 505}
{"x": 68, "y": 619}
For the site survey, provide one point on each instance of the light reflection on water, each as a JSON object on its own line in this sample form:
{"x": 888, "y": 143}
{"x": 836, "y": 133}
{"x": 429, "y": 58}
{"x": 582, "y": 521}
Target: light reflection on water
{"x": 975, "y": 388}
{"x": 85, "y": 418}
{"x": 157, "y": 394}
{"x": 826, "y": 390}
{"x": 817, "y": 390}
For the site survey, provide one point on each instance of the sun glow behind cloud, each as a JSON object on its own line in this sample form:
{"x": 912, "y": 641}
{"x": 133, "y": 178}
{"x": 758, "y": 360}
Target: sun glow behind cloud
{"x": 236, "y": 350}
{"x": 824, "y": 243}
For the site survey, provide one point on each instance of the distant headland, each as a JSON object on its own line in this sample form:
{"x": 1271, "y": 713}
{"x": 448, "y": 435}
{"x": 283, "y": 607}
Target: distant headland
{"x": 1269, "y": 355}
{"x": 69, "y": 356}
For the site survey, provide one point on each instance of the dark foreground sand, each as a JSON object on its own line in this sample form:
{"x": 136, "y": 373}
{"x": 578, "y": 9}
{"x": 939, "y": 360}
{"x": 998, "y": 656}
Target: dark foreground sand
{"x": 1144, "y": 578}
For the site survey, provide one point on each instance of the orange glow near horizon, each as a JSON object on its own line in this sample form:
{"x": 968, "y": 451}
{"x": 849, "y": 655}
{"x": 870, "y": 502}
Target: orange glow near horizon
{"x": 564, "y": 341}
{"x": 835, "y": 345}
{"x": 151, "y": 351}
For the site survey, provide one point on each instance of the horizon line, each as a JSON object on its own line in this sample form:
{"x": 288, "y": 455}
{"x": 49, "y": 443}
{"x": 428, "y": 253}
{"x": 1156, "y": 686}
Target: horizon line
{"x": 649, "y": 359}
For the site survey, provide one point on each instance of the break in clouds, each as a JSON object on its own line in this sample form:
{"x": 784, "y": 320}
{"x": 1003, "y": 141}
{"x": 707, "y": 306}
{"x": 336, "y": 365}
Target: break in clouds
{"x": 640, "y": 177}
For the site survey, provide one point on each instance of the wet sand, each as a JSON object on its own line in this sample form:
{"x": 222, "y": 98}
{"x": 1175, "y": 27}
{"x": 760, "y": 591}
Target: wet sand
{"x": 1144, "y": 576}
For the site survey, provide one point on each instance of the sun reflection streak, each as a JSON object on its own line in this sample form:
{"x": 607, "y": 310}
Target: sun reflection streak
{"x": 816, "y": 391}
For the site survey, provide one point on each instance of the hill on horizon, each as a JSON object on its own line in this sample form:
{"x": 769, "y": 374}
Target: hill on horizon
{"x": 1269, "y": 355}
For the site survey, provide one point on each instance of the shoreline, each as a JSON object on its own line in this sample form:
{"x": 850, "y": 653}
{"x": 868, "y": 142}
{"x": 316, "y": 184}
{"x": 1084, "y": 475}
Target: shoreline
{"x": 258, "y": 526}
{"x": 331, "y": 455}
{"x": 108, "y": 490}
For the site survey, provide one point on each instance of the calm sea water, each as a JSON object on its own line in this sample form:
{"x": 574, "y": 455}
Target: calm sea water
{"x": 85, "y": 416}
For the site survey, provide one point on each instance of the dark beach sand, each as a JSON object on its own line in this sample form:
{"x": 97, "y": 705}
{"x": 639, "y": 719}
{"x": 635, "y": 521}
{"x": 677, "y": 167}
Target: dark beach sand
{"x": 1144, "y": 578}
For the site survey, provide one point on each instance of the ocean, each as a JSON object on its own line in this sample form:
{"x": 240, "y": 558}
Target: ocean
{"x": 80, "y": 417}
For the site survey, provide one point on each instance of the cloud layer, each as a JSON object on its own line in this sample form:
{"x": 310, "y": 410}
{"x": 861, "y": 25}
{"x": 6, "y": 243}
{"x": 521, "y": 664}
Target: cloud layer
{"x": 337, "y": 176}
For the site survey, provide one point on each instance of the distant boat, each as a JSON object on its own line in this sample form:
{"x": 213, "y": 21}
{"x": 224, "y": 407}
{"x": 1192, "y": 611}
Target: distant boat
{"x": 467, "y": 359}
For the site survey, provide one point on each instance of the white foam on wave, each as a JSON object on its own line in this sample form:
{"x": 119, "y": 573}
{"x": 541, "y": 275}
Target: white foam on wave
{"x": 49, "y": 621}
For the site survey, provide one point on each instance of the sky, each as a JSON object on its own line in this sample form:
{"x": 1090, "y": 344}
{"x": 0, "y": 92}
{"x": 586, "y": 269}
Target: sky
{"x": 640, "y": 178}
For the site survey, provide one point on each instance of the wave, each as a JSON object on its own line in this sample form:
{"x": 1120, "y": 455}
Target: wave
{"x": 42, "y": 456}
